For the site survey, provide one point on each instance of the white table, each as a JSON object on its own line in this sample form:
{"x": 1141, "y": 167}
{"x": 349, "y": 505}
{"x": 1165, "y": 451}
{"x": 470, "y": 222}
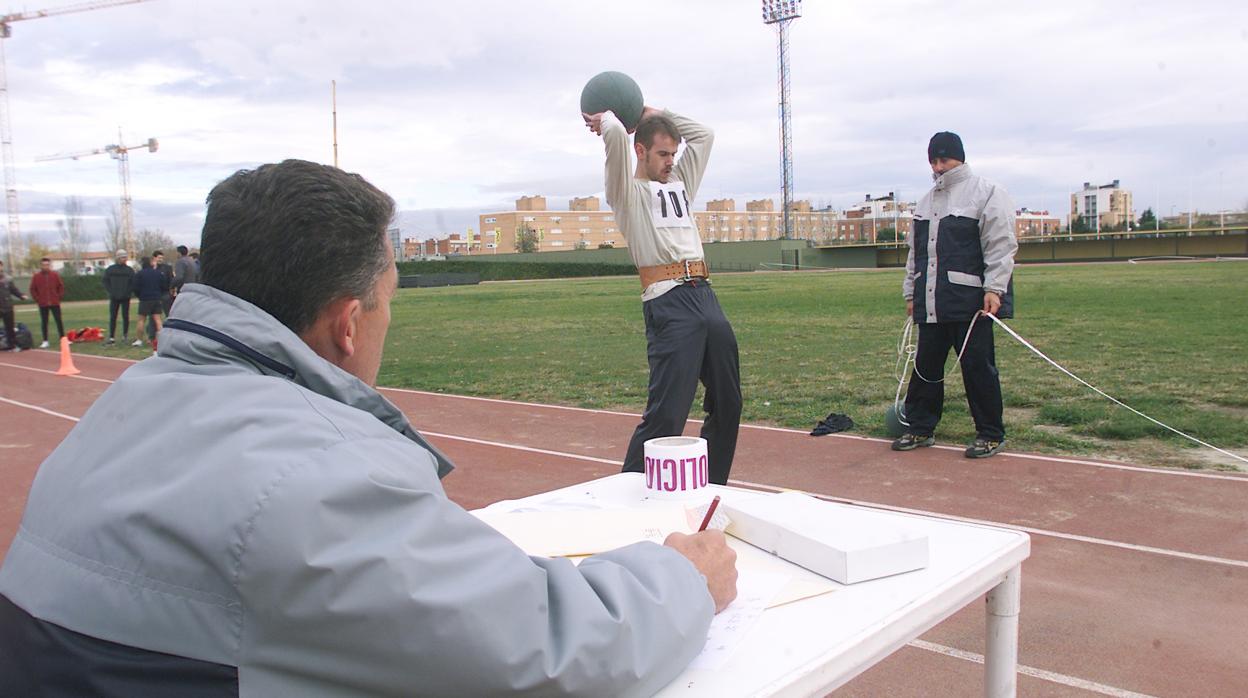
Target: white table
{"x": 812, "y": 646}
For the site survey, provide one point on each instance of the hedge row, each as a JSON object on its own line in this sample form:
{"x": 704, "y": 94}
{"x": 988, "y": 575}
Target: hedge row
{"x": 77, "y": 288}
{"x": 505, "y": 271}
{"x": 89, "y": 287}
{"x": 84, "y": 288}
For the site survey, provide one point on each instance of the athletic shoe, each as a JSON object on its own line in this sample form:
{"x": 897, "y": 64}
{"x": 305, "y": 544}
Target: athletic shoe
{"x": 909, "y": 441}
{"x": 137, "y": 343}
{"x": 44, "y": 345}
{"x": 110, "y": 341}
{"x": 15, "y": 350}
{"x": 983, "y": 448}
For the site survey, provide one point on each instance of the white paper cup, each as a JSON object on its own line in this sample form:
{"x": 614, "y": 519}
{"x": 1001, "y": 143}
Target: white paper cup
{"x": 676, "y": 467}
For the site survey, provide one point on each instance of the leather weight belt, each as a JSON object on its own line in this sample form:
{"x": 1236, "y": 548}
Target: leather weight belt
{"x": 680, "y": 271}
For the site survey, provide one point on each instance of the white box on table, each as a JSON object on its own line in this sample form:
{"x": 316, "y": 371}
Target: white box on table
{"x": 842, "y": 542}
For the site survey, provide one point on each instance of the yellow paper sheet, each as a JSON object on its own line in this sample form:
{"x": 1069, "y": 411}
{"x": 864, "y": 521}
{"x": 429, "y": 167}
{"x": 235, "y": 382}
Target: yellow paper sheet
{"x": 588, "y": 532}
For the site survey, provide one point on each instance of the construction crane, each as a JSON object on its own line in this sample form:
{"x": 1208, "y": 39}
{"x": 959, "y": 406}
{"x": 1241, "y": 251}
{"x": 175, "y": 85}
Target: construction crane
{"x": 120, "y": 152}
{"x": 6, "y": 133}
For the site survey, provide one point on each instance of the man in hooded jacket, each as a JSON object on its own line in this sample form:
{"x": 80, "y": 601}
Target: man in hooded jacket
{"x": 960, "y": 268}
{"x": 302, "y": 544}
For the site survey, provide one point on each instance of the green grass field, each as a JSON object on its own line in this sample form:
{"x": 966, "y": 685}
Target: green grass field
{"x": 1166, "y": 338}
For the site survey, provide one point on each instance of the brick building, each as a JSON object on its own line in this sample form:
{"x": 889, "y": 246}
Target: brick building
{"x": 1029, "y": 223}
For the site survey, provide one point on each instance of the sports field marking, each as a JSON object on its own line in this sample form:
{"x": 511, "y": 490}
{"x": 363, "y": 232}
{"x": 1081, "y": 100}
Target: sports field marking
{"x": 38, "y": 409}
{"x": 783, "y": 430}
{"x": 1042, "y": 674}
{"x": 772, "y": 488}
{"x": 44, "y": 370}
{"x": 902, "y": 510}
{"x": 122, "y": 359}
{"x": 1025, "y": 529}
{"x": 529, "y": 449}
{"x": 786, "y": 430}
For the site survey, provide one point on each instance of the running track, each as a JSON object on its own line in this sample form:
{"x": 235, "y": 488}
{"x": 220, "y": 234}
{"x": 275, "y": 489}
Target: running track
{"x": 1137, "y": 583}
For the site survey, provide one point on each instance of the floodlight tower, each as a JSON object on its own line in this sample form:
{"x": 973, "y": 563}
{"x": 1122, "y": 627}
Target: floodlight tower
{"x": 781, "y": 13}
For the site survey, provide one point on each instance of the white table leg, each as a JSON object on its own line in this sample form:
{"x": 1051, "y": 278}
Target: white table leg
{"x": 1001, "y": 655}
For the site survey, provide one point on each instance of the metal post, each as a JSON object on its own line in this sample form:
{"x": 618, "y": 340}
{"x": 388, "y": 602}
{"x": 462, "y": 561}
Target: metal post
{"x": 1001, "y": 653}
{"x": 781, "y": 13}
{"x": 334, "y": 90}
{"x": 786, "y": 129}
{"x": 6, "y": 151}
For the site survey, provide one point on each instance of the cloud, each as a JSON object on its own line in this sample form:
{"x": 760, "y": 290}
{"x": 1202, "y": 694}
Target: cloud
{"x": 459, "y": 108}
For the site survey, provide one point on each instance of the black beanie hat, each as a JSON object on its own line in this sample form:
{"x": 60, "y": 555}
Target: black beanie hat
{"x": 946, "y": 144}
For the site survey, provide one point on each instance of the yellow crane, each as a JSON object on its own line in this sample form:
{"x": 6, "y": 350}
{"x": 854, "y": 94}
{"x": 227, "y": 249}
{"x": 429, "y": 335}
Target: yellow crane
{"x": 6, "y": 133}
{"x": 120, "y": 152}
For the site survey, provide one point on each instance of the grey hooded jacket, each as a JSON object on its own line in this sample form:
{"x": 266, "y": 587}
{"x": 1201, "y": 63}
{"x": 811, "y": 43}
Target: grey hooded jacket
{"x": 300, "y": 533}
{"x": 963, "y": 243}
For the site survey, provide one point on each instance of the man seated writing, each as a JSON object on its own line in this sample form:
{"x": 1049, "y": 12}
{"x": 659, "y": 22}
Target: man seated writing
{"x": 301, "y": 544}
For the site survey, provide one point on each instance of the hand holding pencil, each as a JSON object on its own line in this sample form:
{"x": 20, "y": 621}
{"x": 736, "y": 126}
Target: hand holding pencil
{"x": 709, "y": 552}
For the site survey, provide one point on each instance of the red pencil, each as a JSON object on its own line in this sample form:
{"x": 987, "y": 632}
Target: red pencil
{"x": 710, "y": 511}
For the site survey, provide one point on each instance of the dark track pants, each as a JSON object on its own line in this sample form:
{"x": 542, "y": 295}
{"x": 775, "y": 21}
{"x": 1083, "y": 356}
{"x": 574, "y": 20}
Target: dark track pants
{"x": 689, "y": 340}
{"x": 113, "y": 306}
{"x": 10, "y": 328}
{"x": 55, "y": 310}
{"x": 925, "y": 400}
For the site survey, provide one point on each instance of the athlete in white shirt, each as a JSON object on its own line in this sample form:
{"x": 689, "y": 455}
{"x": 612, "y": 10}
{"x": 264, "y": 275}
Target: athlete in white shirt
{"x": 688, "y": 338}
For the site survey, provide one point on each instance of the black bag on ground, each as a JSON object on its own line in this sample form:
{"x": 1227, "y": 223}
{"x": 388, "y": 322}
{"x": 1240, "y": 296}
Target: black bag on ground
{"x": 25, "y": 340}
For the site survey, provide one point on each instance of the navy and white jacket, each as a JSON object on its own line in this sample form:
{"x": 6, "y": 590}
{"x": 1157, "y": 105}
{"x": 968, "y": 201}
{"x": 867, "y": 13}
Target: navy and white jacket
{"x": 963, "y": 243}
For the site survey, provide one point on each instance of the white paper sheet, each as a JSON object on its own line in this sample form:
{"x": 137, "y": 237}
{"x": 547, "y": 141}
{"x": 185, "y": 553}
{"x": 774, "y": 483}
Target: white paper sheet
{"x": 755, "y": 590}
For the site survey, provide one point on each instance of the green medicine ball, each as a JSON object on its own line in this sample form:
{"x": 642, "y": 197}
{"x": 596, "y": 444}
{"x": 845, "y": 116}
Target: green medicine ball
{"x": 615, "y": 92}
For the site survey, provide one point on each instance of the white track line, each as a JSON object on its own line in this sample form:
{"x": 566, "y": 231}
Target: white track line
{"x": 483, "y": 442}
{"x": 92, "y": 356}
{"x": 903, "y": 510}
{"x": 38, "y": 409}
{"x": 760, "y": 427}
{"x": 1076, "y": 537}
{"x": 785, "y": 430}
{"x": 1042, "y": 674}
{"x": 44, "y": 370}
{"x": 1025, "y": 529}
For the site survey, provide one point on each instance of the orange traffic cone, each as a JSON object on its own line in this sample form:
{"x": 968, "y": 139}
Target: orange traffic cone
{"x": 67, "y": 360}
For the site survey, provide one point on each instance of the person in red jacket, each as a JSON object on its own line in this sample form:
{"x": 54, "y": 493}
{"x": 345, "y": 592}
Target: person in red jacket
{"x": 47, "y": 289}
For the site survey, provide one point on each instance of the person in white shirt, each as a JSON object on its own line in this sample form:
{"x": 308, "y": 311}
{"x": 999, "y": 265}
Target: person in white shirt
{"x": 688, "y": 338}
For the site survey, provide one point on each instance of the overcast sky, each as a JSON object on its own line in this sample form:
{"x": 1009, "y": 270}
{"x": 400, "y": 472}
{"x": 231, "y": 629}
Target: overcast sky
{"x": 457, "y": 108}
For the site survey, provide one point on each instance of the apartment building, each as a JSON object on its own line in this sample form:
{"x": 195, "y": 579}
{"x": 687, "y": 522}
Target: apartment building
{"x": 583, "y": 225}
{"x": 1101, "y": 206}
{"x": 875, "y": 219}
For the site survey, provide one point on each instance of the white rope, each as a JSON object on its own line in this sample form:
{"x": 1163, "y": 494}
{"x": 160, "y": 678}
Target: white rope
{"x": 906, "y": 351}
{"x": 1106, "y": 395}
